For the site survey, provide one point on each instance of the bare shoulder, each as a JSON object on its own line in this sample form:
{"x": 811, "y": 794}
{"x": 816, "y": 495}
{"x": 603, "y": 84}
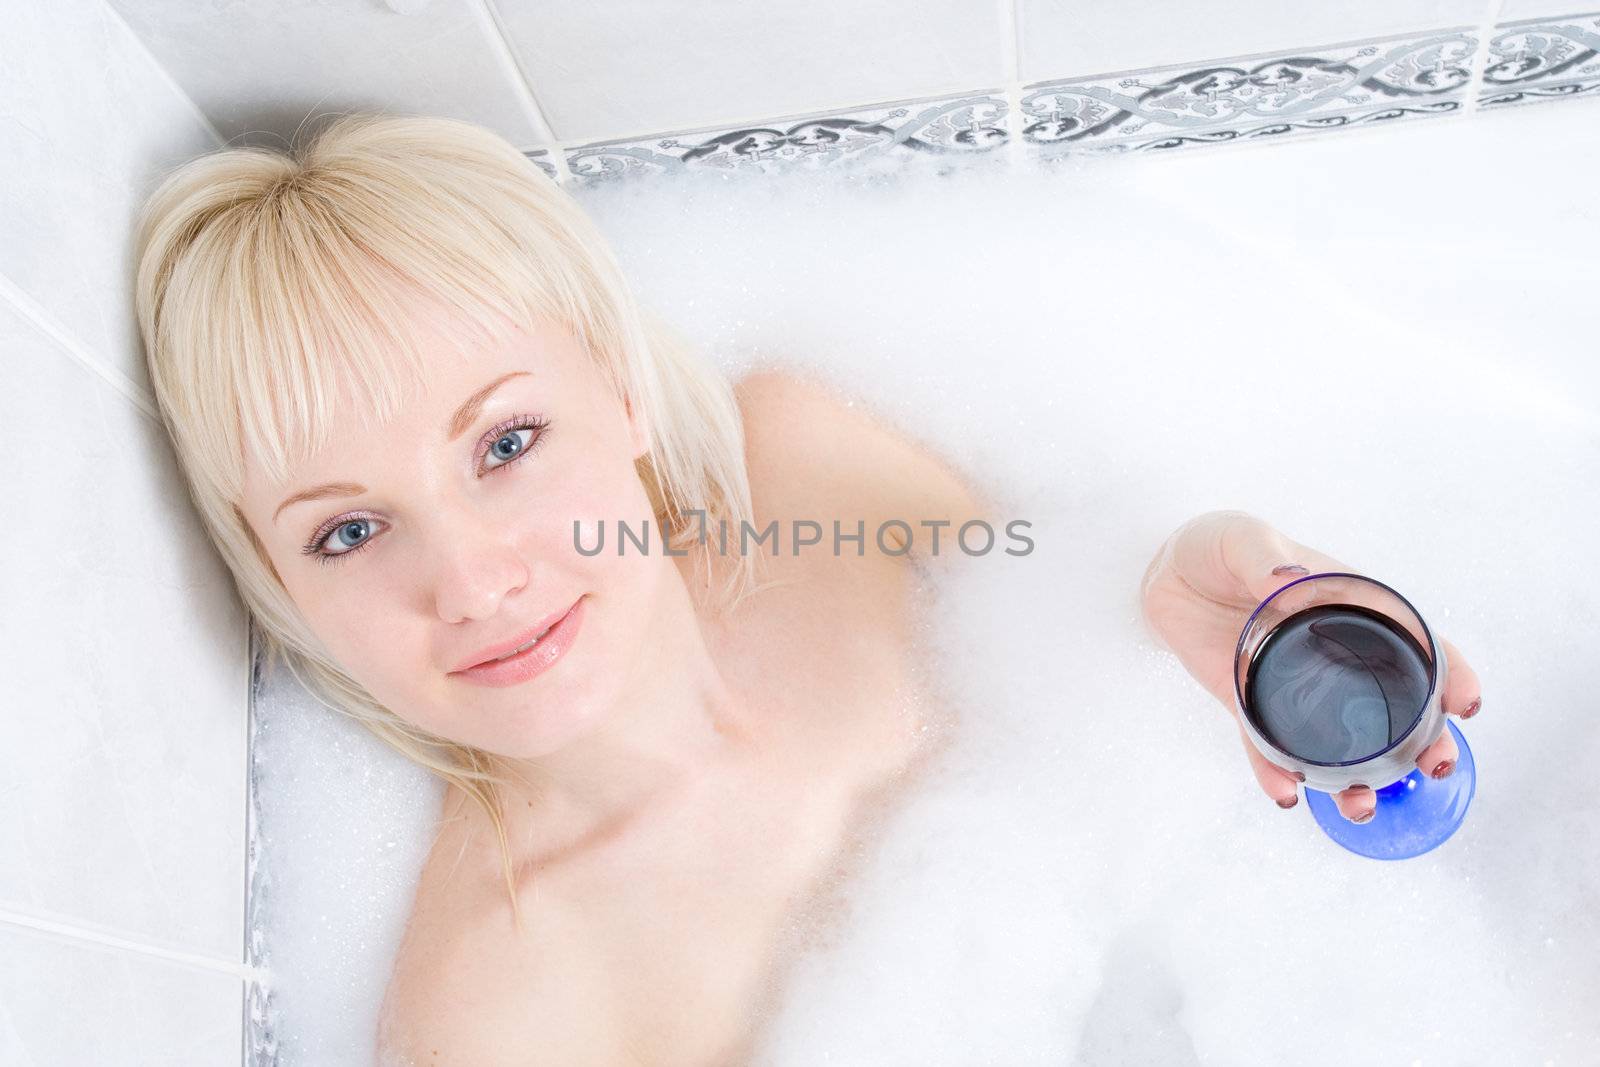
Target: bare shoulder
{"x": 812, "y": 448}
{"x": 818, "y": 454}
{"x": 577, "y": 986}
{"x": 467, "y": 989}
{"x": 478, "y": 1003}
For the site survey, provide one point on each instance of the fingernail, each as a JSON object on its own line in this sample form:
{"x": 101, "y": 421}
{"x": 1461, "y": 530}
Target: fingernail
{"x": 1289, "y": 568}
{"x": 1288, "y": 802}
{"x": 1365, "y": 816}
{"x": 1471, "y": 709}
{"x": 1444, "y": 768}
{"x": 1299, "y": 776}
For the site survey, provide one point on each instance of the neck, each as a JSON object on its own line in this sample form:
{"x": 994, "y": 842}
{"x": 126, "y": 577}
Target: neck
{"x": 677, "y": 723}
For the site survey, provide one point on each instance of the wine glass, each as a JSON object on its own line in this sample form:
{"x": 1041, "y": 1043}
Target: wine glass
{"x": 1339, "y": 678}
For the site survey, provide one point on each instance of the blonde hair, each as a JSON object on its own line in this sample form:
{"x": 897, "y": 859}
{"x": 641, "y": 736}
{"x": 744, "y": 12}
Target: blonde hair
{"x": 267, "y": 301}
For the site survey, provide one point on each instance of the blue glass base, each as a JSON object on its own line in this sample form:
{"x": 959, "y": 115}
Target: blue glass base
{"x": 1415, "y": 814}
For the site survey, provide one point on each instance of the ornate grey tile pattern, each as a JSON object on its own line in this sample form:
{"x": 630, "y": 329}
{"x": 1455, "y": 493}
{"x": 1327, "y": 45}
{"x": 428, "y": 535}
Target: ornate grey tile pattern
{"x": 542, "y": 159}
{"x": 260, "y": 1029}
{"x": 1258, "y": 96}
{"x": 1543, "y": 59}
{"x": 953, "y": 126}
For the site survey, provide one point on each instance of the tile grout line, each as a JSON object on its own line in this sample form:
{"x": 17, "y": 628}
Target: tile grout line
{"x": 23, "y": 920}
{"x": 166, "y": 75}
{"x": 1010, "y": 64}
{"x": 75, "y": 349}
{"x": 1480, "y": 55}
{"x": 529, "y": 99}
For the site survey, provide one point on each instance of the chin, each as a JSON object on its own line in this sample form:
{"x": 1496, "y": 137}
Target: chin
{"x": 539, "y": 728}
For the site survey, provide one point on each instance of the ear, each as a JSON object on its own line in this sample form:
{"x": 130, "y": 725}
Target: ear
{"x": 638, "y": 427}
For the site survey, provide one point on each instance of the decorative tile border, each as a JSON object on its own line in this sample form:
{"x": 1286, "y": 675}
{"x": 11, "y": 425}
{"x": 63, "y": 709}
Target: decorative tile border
{"x": 1252, "y": 97}
{"x": 544, "y": 161}
{"x": 1543, "y": 59}
{"x": 960, "y": 125}
{"x": 1339, "y": 86}
{"x": 260, "y": 1014}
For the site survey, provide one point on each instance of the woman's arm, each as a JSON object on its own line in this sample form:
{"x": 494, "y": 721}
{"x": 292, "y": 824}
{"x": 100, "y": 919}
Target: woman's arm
{"x": 1199, "y": 591}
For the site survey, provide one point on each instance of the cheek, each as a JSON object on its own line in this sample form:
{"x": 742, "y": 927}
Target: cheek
{"x": 365, "y": 618}
{"x": 385, "y": 651}
{"x": 372, "y": 639}
{"x": 591, "y": 512}
{"x": 602, "y": 496}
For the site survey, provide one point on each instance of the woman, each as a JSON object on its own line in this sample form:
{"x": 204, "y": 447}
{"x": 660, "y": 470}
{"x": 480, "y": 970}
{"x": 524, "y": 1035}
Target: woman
{"x": 412, "y": 396}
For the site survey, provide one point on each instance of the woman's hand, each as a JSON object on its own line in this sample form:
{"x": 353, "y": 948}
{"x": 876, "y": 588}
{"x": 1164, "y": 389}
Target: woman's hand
{"x": 1201, "y": 588}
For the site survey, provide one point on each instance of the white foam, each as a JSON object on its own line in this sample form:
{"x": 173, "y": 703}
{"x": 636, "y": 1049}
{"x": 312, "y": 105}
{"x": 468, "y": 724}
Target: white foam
{"x": 1381, "y": 342}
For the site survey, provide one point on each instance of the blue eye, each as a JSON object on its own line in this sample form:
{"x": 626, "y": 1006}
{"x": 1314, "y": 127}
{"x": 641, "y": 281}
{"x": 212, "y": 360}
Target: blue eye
{"x": 509, "y": 446}
{"x": 349, "y": 535}
{"x": 346, "y": 538}
{"x": 512, "y": 440}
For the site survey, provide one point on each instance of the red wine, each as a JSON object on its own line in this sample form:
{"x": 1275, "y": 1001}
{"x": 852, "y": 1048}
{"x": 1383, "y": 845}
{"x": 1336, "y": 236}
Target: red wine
{"x": 1337, "y": 683}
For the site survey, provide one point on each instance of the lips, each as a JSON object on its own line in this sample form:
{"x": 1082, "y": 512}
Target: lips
{"x": 521, "y": 668}
{"x": 495, "y": 651}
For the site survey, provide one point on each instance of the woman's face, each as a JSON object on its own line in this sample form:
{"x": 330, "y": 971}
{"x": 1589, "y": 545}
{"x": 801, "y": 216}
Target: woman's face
{"x": 449, "y": 531}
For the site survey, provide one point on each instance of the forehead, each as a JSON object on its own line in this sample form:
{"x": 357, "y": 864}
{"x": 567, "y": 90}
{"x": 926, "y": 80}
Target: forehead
{"x": 456, "y": 358}
{"x": 458, "y": 354}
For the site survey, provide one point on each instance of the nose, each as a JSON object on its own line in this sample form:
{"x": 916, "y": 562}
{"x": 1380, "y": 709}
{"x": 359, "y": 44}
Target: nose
{"x": 474, "y": 570}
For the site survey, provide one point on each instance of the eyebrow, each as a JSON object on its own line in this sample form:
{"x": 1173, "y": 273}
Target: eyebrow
{"x": 460, "y": 422}
{"x": 467, "y": 413}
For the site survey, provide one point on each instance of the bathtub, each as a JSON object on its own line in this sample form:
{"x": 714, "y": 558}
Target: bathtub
{"x": 1341, "y": 334}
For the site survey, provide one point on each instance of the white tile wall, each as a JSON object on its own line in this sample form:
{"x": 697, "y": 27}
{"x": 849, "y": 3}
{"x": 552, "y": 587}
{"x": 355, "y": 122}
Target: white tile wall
{"x": 1066, "y": 38}
{"x": 86, "y": 119}
{"x": 1512, "y": 10}
{"x": 265, "y": 65}
{"x": 71, "y": 1003}
{"x": 122, "y": 734}
{"x": 574, "y": 73}
{"x": 122, "y": 750}
{"x": 611, "y": 70}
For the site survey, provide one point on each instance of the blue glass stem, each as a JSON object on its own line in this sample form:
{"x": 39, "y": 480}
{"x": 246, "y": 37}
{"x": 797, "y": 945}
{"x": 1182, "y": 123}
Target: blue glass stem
{"x": 1415, "y": 814}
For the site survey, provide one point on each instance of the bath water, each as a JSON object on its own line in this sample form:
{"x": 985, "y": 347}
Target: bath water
{"x": 1337, "y": 683}
{"x": 1091, "y": 874}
